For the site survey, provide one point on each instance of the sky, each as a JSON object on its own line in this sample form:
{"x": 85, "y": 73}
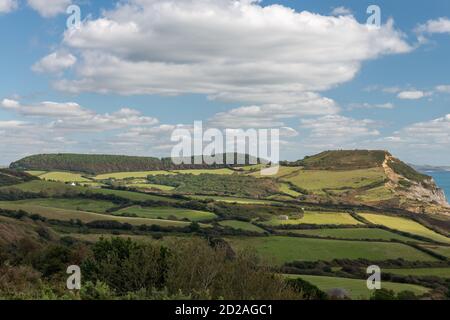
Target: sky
{"x": 133, "y": 71}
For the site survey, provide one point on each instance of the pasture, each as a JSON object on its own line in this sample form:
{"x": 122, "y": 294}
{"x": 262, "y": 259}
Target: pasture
{"x": 405, "y": 225}
{"x": 167, "y": 213}
{"x": 320, "y": 218}
{"x": 241, "y": 225}
{"x": 354, "y": 233}
{"x": 64, "y": 177}
{"x": 356, "y": 288}
{"x": 421, "y": 272}
{"x": 317, "y": 180}
{"x": 99, "y": 206}
{"x": 67, "y": 215}
{"x": 280, "y": 249}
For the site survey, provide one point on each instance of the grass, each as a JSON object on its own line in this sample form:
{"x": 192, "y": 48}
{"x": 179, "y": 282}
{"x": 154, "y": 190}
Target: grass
{"x": 150, "y": 186}
{"x": 405, "y": 225}
{"x": 232, "y": 199}
{"x": 285, "y": 188}
{"x": 443, "y": 251}
{"x": 241, "y": 225}
{"x": 167, "y": 213}
{"x": 129, "y": 175}
{"x": 356, "y": 288}
{"x": 58, "y": 189}
{"x": 36, "y": 173}
{"x": 421, "y": 272}
{"x": 317, "y": 180}
{"x": 279, "y": 249}
{"x": 64, "y": 177}
{"x": 144, "y": 174}
{"x": 99, "y": 206}
{"x": 376, "y": 194}
{"x": 197, "y": 172}
{"x": 86, "y": 217}
{"x": 354, "y": 233}
{"x": 321, "y": 218}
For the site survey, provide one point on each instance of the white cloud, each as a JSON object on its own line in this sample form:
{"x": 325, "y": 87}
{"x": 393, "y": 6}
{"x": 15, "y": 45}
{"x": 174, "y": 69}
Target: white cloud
{"x": 337, "y": 129}
{"x": 341, "y": 11}
{"x": 366, "y": 105}
{"x": 441, "y": 25}
{"x": 55, "y": 62}
{"x": 7, "y": 6}
{"x": 443, "y": 88}
{"x": 434, "y": 133}
{"x": 71, "y": 116}
{"x": 49, "y": 8}
{"x": 248, "y": 52}
{"x": 271, "y": 115}
{"x": 413, "y": 95}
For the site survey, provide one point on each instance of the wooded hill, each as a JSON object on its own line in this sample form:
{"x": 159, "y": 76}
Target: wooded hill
{"x": 99, "y": 164}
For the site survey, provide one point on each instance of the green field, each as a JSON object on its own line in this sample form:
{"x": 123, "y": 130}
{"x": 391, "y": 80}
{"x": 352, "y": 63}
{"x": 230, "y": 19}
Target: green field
{"x": 241, "y": 225}
{"x": 197, "y": 172}
{"x": 59, "y": 189}
{"x": 444, "y": 251}
{"x": 150, "y": 186}
{"x": 232, "y": 199}
{"x": 354, "y": 233}
{"x": 376, "y": 194}
{"x": 67, "y": 215}
{"x": 317, "y": 180}
{"x": 36, "y": 173}
{"x": 285, "y": 188}
{"x": 63, "y": 177}
{"x": 130, "y": 175}
{"x": 321, "y": 218}
{"x": 279, "y": 249}
{"x": 99, "y": 206}
{"x": 432, "y": 272}
{"x": 357, "y": 289}
{"x": 167, "y": 213}
{"x": 405, "y": 225}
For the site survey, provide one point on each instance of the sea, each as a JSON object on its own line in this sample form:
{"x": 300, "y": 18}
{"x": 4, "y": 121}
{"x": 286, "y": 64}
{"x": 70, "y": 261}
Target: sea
{"x": 442, "y": 179}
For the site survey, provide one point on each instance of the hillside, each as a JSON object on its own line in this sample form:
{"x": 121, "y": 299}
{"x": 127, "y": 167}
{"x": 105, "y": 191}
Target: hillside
{"x": 10, "y": 177}
{"x": 98, "y": 164}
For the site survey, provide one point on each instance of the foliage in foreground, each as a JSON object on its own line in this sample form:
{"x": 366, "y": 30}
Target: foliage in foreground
{"x": 125, "y": 269}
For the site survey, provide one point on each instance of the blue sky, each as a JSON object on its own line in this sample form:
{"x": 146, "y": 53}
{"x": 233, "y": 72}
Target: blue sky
{"x": 134, "y": 72}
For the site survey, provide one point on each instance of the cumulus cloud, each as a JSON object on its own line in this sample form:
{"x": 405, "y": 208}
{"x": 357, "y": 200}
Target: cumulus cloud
{"x": 55, "y": 62}
{"x": 367, "y": 105}
{"x": 247, "y": 53}
{"x": 341, "y": 11}
{"x": 7, "y": 6}
{"x": 413, "y": 95}
{"x": 48, "y": 8}
{"x": 338, "y": 128}
{"x": 434, "y": 133}
{"x": 443, "y": 88}
{"x": 72, "y": 116}
{"x": 441, "y": 25}
{"x": 272, "y": 115}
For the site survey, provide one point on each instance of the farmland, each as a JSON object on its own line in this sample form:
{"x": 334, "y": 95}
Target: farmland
{"x": 280, "y": 249}
{"x": 354, "y": 233}
{"x": 297, "y": 221}
{"x": 405, "y": 225}
{"x": 357, "y": 289}
{"x": 166, "y": 213}
{"x": 320, "y": 218}
{"x": 241, "y": 225}
{"x": 423, "y": 272}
